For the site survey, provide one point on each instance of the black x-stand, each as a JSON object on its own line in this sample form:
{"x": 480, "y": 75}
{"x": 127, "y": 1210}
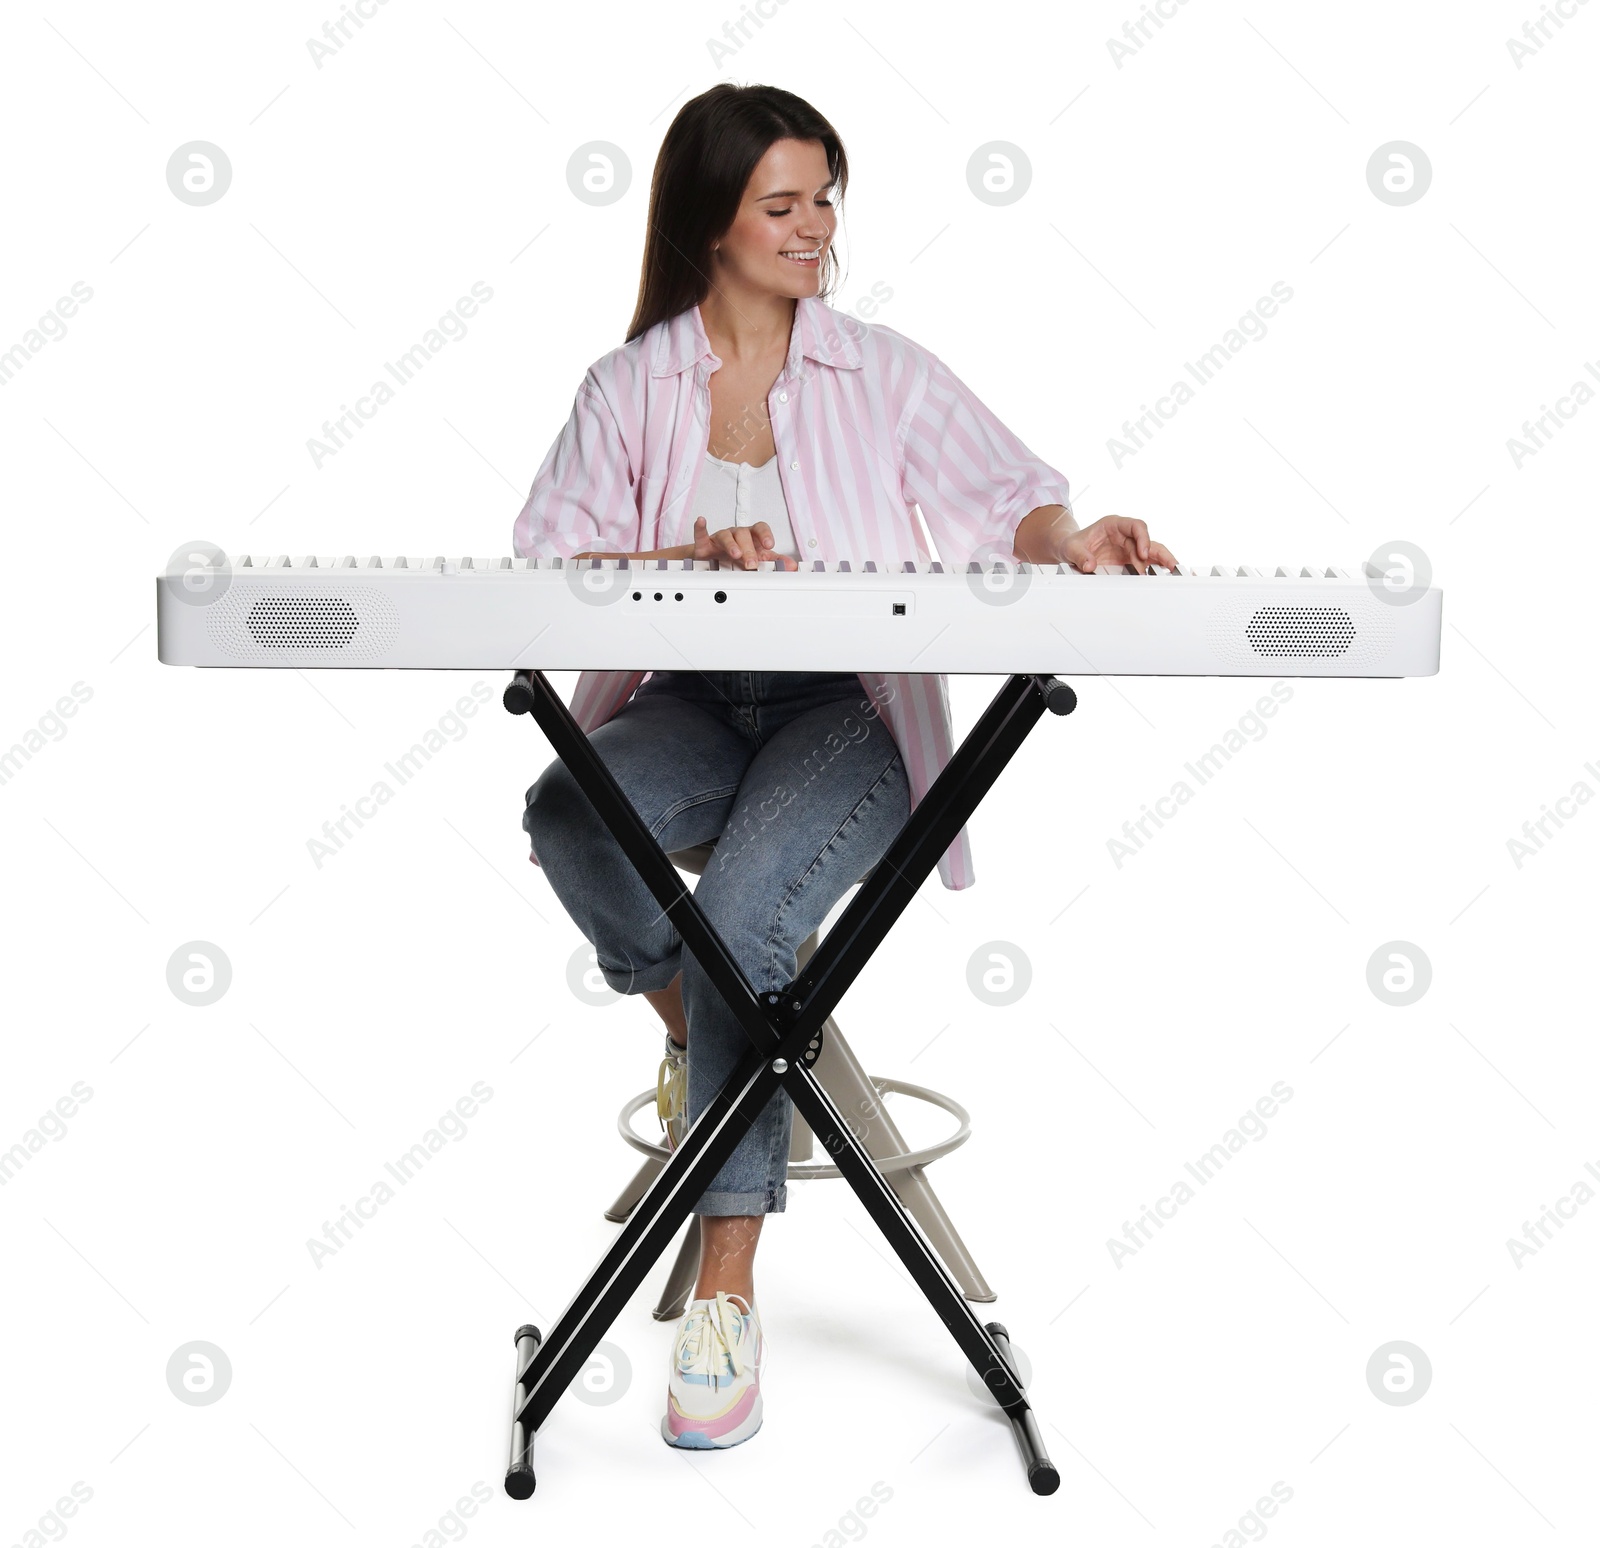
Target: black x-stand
{"x": 785, "y": 1032}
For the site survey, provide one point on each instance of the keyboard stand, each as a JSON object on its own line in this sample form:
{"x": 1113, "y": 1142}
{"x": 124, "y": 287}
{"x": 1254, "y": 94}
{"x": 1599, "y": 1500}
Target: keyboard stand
{"x": 785, "y": 1032}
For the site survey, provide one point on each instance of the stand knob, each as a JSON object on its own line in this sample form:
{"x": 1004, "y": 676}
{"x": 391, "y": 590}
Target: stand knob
{"x": 1058, "y": 696}
{"x": 518, "y": 696}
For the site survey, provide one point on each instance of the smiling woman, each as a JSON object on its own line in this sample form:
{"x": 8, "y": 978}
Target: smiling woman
{"x": 745, "y": 420}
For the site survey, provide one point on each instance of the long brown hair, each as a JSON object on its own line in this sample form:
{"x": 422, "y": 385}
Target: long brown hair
{"x": 701, "y": 172}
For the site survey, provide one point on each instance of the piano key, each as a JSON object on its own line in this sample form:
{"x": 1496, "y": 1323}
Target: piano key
{"x": 1250, "y": 571}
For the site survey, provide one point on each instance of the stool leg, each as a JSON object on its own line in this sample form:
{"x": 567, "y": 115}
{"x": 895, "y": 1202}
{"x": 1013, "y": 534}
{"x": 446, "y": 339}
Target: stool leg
{"x": 686, "y": 1266}
{"x": 853, "y": 1093}
{"x": 634, "y": 1190}
{"x": 680, "y": 1281}
{"x": 840, "y": 1074}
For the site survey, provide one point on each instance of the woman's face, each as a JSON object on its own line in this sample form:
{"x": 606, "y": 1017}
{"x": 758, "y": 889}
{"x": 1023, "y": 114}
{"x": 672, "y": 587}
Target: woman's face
{"x": 787, "y": 208}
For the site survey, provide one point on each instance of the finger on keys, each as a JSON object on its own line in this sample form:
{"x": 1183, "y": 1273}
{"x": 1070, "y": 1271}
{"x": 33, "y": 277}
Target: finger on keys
{"x": 1134, "y": 533}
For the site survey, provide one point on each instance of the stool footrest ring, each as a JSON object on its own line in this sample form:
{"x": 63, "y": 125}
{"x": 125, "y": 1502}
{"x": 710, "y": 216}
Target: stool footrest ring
{"x": 812, "y": 1171}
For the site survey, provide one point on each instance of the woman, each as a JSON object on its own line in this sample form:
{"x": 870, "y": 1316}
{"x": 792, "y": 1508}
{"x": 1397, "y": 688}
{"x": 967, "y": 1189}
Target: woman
{"x": 746, "y": 421}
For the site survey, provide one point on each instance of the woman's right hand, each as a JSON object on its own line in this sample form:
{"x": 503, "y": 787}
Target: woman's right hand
{"x": 745, "y": 547}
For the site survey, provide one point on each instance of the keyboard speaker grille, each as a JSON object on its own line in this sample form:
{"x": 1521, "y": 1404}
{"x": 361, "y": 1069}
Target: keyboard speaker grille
{"x": 1358, "y": 634}
{"x": 260, "y": 623}
{"x": 1300, "y": 631}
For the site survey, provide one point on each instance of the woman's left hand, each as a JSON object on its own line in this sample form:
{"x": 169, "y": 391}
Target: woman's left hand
{"x": 1114, "y": 540}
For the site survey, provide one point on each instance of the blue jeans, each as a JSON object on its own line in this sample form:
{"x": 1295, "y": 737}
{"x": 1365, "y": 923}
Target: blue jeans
{"x": 798, "y": 780}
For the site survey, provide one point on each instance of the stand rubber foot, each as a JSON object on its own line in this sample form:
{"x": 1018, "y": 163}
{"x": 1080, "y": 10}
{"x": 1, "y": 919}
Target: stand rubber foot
{"x": 519, "y": 1474}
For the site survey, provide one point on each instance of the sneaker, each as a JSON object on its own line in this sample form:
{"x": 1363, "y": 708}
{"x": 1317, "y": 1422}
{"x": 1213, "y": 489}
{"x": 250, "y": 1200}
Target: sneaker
{"x": 714, "y": 1392}
{"x": 672, "y": 1094}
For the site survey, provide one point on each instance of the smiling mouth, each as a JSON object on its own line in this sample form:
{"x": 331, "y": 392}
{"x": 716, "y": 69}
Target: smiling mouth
{"x": 803, "y": 257}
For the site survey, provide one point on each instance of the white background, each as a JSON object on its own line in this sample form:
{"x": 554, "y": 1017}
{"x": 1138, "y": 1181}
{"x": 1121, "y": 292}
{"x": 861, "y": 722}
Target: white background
{"x": 369, "y": 1394}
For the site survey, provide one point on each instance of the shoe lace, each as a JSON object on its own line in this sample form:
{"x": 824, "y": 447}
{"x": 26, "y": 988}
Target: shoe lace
{"x": 712, "y": 1334}
{"x": 671, "y": 1089}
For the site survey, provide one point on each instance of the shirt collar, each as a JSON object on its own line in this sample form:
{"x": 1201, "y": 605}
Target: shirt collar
{"x": 819, "y": 333}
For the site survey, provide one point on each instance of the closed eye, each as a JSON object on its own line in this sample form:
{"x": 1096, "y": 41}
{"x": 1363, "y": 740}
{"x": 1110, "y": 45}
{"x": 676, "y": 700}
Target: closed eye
{"x": 790, "y": 210}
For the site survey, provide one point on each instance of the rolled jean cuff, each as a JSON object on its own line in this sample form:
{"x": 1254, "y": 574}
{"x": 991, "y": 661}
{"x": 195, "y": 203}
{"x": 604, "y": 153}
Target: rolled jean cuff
{"x": 772, "y": 1202}
{"x": 656, "y": 975}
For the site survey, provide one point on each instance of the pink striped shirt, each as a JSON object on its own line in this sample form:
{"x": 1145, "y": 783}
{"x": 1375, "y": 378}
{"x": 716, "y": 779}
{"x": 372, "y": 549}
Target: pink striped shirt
{"x": 867, "y": 424}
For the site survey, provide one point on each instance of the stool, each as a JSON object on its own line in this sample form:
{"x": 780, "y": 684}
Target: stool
{"x": 858, "y": 1096}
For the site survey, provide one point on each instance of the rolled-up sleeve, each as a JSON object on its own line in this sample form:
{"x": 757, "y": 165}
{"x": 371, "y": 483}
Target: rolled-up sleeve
{"x": 582, "y": 496}
{"x": 973, "y": 479}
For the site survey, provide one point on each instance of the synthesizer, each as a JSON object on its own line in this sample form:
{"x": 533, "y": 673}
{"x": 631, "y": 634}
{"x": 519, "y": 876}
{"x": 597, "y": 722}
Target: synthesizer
{"x": 483, "y": 614}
